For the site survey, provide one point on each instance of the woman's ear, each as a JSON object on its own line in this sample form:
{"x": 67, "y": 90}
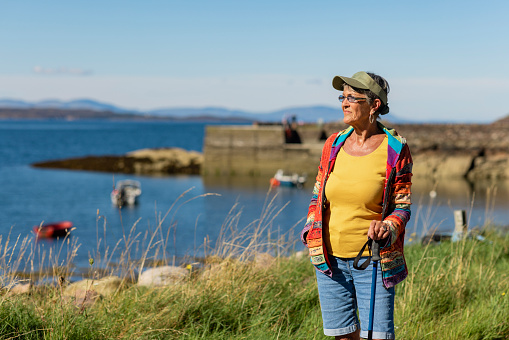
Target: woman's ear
{"x": 376, "y": 104}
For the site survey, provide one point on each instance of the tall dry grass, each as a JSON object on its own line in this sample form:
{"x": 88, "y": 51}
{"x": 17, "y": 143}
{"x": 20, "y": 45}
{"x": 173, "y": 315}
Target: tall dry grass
{"x": 24, "y": 259}
{"x": 247, "y": 288}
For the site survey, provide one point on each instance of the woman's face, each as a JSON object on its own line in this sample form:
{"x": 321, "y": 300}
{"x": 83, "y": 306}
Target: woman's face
{"x": 355, "y": 114}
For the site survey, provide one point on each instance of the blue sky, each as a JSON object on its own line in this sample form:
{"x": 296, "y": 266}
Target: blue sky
{"x": 444, "y": 60}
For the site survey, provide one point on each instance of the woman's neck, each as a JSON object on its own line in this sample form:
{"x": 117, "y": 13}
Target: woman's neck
{"x": 360, "y": 135}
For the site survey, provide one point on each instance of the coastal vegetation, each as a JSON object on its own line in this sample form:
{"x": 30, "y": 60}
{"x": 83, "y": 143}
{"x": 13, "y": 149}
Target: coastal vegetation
{"x": 252, "y": 287}
{"x": 255, "y": 285}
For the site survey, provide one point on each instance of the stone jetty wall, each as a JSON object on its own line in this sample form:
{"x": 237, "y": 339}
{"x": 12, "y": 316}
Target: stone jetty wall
{"x": 257, "y": 151}
{"x": 471, "y": 151}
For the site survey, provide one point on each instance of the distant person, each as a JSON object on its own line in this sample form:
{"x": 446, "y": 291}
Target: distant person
{"x": 322, "y": 136}
{"x": 291, "y": 134}
{"x": 362, "y": 191}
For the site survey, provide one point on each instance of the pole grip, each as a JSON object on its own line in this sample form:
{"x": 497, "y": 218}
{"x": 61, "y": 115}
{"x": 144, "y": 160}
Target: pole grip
{"x": 375, "y": 251}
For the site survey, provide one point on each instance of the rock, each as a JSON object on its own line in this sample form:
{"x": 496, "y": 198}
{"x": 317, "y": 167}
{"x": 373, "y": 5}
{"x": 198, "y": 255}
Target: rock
{"x": 300, "y": 254}
{"x": 164, "y": 161}
{"x": 20, "y": 288}
{"x": 85, "y": 298}
{"x": 163, "y": 276}
{"x": 473, "y": 165}
{"x": 434, "y": 165}
{"x": 167, "y": 160}
{"x": 106, "y": 286}
{"x": 493, "y": 166}
{"x": 263, "y": 260}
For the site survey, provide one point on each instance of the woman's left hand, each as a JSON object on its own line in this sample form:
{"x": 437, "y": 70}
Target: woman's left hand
{"x": 378, "y": 230}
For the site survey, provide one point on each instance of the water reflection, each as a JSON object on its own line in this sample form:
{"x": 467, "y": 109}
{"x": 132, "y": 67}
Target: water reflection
{"x": 434, "y": 203}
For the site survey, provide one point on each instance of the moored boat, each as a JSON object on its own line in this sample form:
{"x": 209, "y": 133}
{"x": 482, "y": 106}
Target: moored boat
{"x": 289, "y": 180}
{"x": 53, "y": 230}
{"x": 126, "y": 193}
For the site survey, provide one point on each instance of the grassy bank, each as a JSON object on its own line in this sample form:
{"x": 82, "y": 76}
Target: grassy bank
{"x": 454, "y": 291}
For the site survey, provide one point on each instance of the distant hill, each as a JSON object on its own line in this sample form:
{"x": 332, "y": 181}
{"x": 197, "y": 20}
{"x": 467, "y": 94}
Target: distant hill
{"x": 503, "y": 121}
{"x": 309, "y": 114}
{"x": 64, "y": 114}
{"x": 78, "y": 104}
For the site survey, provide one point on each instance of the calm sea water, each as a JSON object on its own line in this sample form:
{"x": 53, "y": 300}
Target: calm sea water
{"x": 31, "y": 196}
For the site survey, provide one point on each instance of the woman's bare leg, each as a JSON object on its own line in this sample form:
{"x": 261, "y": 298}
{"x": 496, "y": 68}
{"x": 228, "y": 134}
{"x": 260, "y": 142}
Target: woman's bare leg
{"x": 351, "y": 336}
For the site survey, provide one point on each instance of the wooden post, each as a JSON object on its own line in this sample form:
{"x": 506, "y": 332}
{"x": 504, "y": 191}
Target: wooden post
{"x": 460, "y": 225}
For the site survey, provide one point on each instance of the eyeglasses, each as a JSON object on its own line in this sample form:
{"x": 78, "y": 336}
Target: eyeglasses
{"x": 351, "y": 99}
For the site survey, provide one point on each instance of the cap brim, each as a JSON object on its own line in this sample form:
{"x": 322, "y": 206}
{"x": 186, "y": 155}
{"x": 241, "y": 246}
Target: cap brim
{"x": 338, "y": 83}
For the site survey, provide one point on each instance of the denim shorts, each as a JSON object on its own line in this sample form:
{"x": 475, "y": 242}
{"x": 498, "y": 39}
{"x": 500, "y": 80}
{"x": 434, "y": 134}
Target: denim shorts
{"x": 349, "y": 292}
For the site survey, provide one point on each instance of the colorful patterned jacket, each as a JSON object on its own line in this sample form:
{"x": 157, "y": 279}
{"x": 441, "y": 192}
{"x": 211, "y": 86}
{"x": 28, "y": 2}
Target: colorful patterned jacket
{"x": 396, "y": 206}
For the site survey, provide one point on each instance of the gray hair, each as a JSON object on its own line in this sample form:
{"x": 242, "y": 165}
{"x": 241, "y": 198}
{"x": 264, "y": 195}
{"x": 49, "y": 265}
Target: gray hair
{"x": 384, "y": 84}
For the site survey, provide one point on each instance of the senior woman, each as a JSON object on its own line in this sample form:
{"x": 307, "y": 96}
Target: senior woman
{"x": 362, "y": 192}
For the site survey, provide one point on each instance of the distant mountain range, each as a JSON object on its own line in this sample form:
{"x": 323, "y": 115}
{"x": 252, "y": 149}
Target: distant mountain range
{"x": 309, "y": 114}
{"x": 78, "y": 104}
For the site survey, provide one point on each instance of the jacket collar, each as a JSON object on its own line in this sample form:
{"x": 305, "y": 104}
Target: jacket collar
{"x": 395, "y": 145}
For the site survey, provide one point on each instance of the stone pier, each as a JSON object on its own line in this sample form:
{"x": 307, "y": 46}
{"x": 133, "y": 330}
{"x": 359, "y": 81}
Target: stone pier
{"x": 470, "y": 151}
{"x": 259, "y": 151}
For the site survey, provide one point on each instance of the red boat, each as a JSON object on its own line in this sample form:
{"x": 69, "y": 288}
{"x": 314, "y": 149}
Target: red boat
{"x": 53, "y": 230}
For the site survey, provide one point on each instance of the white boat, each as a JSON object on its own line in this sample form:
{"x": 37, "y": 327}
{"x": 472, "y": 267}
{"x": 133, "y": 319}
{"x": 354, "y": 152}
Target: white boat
{"x": 126, "y": 193}
{"x": 291, "y": 180}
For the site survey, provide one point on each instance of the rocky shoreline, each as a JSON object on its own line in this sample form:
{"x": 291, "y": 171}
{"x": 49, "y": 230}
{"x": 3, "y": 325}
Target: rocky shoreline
{"x": 469, "y": 151}
{"x": 163, "y": 161}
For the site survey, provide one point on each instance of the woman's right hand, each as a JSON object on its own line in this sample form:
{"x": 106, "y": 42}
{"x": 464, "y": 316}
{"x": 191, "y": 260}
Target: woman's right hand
{"x": 378, "y": 230}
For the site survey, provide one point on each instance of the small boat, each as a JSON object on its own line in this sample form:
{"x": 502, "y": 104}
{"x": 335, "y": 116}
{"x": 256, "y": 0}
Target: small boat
{"x": 289, "y": 180}
{"x": 126, "y": 193}
{"x": 53, "y": 230}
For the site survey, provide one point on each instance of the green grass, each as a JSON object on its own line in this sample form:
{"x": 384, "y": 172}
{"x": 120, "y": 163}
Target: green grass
{"x": 454, "y": 291}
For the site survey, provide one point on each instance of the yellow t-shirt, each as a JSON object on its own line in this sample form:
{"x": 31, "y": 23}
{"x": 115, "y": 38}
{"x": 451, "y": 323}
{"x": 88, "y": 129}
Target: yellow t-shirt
{"x": 354, "y": 192}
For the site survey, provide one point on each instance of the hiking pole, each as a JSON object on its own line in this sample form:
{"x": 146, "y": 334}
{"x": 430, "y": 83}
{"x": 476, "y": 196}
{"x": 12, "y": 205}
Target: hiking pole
{"x": 375, "y": 257}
